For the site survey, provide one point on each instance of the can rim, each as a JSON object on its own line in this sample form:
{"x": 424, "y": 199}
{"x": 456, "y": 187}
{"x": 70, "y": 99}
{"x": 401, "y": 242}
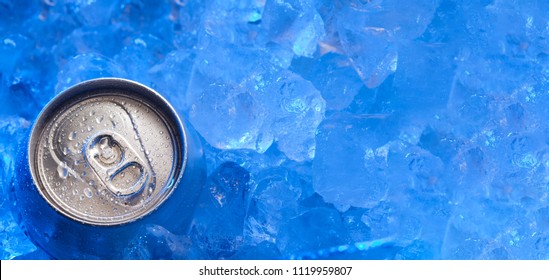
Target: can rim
{"x": 93, "y": 85}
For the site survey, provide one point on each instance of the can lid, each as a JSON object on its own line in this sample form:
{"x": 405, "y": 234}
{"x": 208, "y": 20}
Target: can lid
{"x": 107, "y": 151}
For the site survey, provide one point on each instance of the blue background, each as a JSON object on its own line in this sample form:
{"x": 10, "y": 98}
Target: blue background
{"x": 333, "y": 129}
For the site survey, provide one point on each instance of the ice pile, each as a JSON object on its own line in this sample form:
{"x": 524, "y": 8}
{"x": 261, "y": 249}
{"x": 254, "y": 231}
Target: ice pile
{"x": 333, "y": 129}
{"x": 254, "y": 105}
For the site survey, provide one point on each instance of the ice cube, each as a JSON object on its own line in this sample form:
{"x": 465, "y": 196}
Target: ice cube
{"x": 84, "y": 67}
{"x": 252, "y": 107}
{"x": 333, "y": 75}
{"x": 275, "y": 199}
{"x": 348, "y": 169}
{"x": 93, "y": 13}
{"x": 140, "y": 55}
{"x": 171, "y": 76}
{"x": 219, "y": 217}
{"x": 316, "y": 228}
{"x": 157, "y": 243}
{"x": 294, "y": 24}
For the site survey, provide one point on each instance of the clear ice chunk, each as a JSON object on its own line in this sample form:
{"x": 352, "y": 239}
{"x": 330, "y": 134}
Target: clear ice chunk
{"x": 277, "y": 195}
{"x": 14, "y": 241}
{"x": 333, "y": 75}
{"x": 171, "y": 77}
{"x": 140, "y": 55}
{"x": 348, "y": 168}
{"x": 317, "y": 228}
{"x": 218, "y": 225}
{"x": 156, "y": 242}
{"x": 84, "y": 67}
{"x": 294, "y": 24}
{"x": 372, "y": 38}
{"x": 255, "y": 106}
{"x": 95, "y": 12}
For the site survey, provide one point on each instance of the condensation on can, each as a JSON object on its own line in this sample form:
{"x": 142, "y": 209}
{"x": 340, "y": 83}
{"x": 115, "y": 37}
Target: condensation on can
{"x": 106, "y": 157}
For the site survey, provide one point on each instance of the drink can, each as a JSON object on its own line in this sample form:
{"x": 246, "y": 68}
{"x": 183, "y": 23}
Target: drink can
{"x": 104, "y": 158}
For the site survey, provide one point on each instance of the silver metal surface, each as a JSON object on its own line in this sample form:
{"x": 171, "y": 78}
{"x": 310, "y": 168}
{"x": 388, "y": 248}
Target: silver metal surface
{"x": 107, "y": 151}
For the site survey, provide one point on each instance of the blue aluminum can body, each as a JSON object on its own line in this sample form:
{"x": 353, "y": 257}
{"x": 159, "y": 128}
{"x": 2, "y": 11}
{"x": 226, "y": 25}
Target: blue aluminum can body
{"x": 104, "y": 159}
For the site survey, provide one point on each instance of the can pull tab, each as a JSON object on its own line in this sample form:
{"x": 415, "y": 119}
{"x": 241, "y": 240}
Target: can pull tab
{"x": 120, "y": 168}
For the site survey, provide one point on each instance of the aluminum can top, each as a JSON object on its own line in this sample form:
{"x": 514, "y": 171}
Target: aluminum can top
{"x": 107, "y": 151}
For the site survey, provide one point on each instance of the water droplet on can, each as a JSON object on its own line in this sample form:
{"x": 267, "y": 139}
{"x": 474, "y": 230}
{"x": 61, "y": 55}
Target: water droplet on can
{"x": 62, "y": 170}
{"x": 88, "y": 192}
